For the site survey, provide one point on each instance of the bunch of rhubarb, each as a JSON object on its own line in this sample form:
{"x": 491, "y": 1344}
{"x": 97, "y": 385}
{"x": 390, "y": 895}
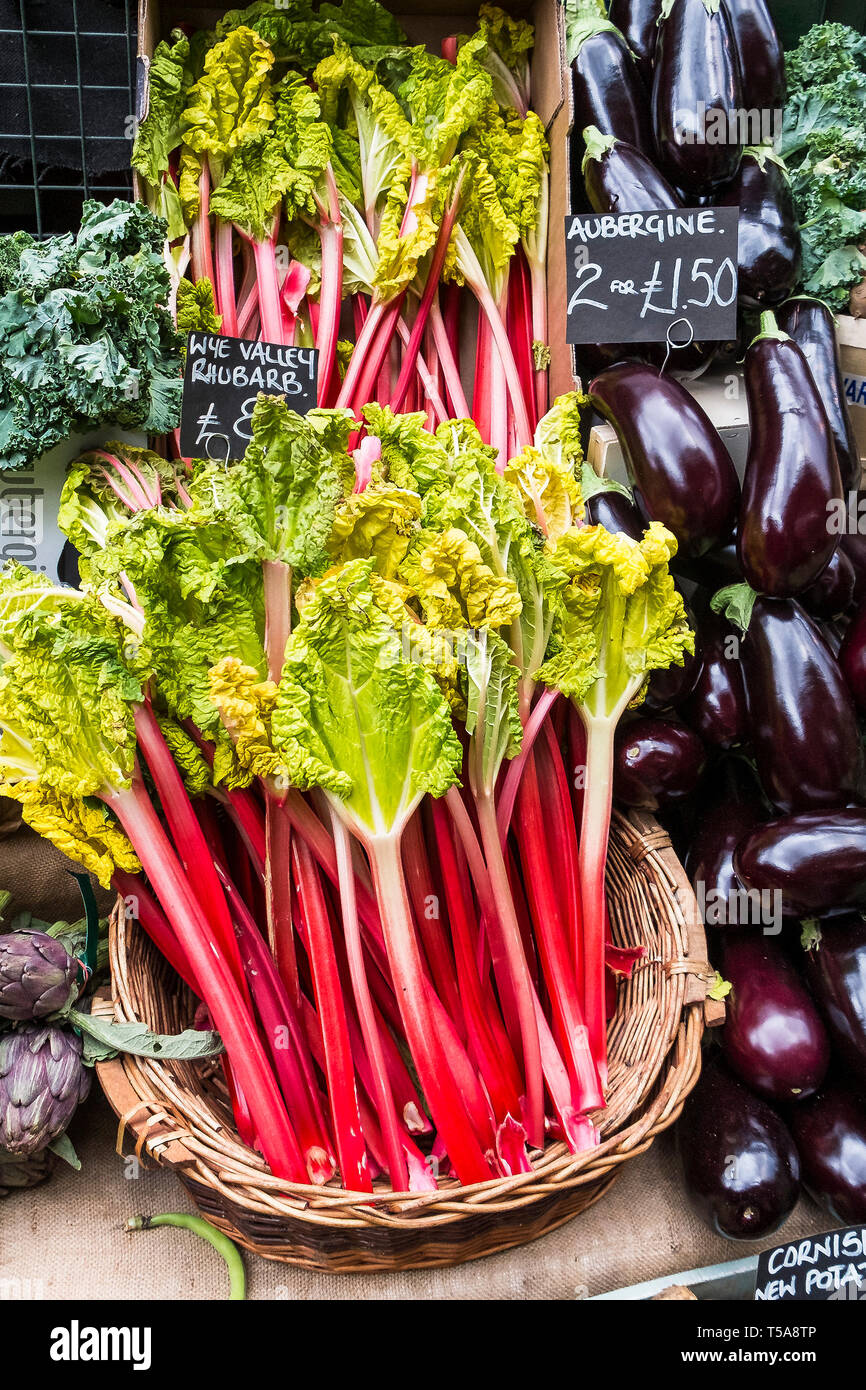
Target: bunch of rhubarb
{"x": 308, "y": 715}
{"x": 326, "y": 184}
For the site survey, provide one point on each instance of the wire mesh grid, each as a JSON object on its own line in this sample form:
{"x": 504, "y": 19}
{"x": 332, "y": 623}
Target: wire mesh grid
{"x": 65, "y": 133}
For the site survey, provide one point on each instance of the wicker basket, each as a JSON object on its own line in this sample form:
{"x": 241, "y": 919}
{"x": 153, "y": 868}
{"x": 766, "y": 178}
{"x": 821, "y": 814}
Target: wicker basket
{"x": 178, "y": 1114}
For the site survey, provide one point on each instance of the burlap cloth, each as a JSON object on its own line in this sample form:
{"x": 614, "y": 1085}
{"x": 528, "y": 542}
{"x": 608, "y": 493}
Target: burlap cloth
{"x": 64, "y": 1240}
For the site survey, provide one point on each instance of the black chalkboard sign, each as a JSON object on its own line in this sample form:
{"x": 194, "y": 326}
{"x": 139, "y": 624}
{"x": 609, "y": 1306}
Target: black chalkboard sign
{"x": 224, "y": 376}
{"x": 830, "y": 1266}
{"x": 652, "y": 277}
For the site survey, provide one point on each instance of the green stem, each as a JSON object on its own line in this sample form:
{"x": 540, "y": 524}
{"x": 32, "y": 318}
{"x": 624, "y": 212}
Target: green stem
{"x": 199, "y": 1227}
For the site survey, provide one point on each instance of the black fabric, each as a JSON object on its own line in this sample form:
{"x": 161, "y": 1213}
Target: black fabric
{"x": 96, "y": 129}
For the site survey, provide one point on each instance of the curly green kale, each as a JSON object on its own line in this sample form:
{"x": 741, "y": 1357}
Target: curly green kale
{"x": 85, "y": 335}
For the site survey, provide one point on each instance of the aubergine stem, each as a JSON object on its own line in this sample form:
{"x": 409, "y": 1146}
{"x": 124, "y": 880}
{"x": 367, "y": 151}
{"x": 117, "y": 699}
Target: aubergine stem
{"x": 199, "y": 1227}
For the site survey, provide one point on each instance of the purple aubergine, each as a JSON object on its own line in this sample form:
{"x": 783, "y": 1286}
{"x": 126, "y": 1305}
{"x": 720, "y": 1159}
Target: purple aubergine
{"x": 817, "y": 860}
{"x": 716, "y": 569}
{"x": 739, "y": 1162}
{"x": 607, "y": 89}
{"x": 761, "y": 62}
{"x": 802, "y": 718}
{"x": 813, "y": 328}
{"x": 769, "y": 254}
{"x": 638, "y": 22}
{"x": 620, "y": 178}
{"x": 773, "y": 1036}
{"x": 657, "y": 762}
{"x": 732, "y": 809}
{"x": 696, "y": 96}
{"x": 836, "y": 970}
{"x": 832, "y": 593}
{"x": 853, "y": 541}
{"x": 830, "y": 1133}
{"x": 792, "y": 481}
{"x": 680, "y": 470}
{"x": 852, "y": 657}
{"x": 611, "y": 508}
{"x": 716, "y": 708}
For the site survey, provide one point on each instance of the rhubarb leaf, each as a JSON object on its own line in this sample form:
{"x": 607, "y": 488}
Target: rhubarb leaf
{"x": 620, "y": 617}
{"x": 232, "y": 103}
{"x": 492, "y": 707}
{"x": 355, "y": 715}
{"x": 104, "y": 1039}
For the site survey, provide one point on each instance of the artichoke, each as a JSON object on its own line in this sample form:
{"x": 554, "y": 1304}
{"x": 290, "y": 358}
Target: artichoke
{"x": 17, "y": 1172}
{"x": 42, "y": 1081}
{"x": 37, "y": 976}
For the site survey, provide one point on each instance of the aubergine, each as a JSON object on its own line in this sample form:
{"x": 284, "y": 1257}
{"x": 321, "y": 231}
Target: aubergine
{"x": 769, "y": 253}
{"x": 739, "y": 1162}
{"x": 802, "y": 719}
{"x": 832, "y": 593}
{"x": 714, "y": 570}
{"x": 852, "y": 657}
{"x": 761, "y": 62}
{"x": 610, "y": 507}
{"x": 816, "y": 860}
{"x": 680, "y": 470}
{"x": 773, "y": 1036}
{"x": 792, "y": 481}
{"x": 830, "y": 1133}
{"x": 638, "y": 22}
{"x": 607, "y": 89}
{"x": 853, "y": 541}
{"x": 657, "y": 762}
{"x": 813, "y": 328}
{"x": 724, "y": 817}
{"x": 716, "y": 708}
{"x": 835, "y": 961}
{"x": 618, "y": 177}
{"x": 696, "y": 96}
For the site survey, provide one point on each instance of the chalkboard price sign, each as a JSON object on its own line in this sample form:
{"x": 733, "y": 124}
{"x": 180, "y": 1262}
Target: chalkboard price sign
{"x": 815, "y": 1269}
{"x": 652, "y": 277}
{"x": 224, "y": 376}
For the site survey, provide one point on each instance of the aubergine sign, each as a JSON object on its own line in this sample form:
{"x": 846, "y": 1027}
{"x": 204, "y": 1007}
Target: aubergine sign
{"x": 652, "y": 277}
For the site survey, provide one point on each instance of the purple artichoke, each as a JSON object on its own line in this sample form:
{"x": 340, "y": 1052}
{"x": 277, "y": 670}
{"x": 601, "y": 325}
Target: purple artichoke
{"x": 42, "y": 1081}
{"x": 37, "y": 976}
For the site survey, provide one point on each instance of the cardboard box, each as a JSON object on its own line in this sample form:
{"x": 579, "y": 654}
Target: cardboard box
{"x": 852, "y": 349}
{"x": 429, "y": 23}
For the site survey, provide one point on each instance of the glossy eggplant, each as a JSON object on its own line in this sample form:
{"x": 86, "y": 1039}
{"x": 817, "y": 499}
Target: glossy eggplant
{"x": 657, "y": 762}
{"x": 773, "y": 1036}
{"x": 792, "y": 481}
{"x": 769, "y": 253}
{"x": 611, "y": 508}
{"x": 618, "y": 177}
{"x": 802, "y": 718}
{"x": 714, "y": 570}
{"x": 830, "y": 1134}
{"x": 832, "y": 593}
{"x": 680, "y": 470}
{"x": 740, "y": 1165}
{"x": 817, "y": 860}
{"x": 716, "y": 709}
{"x": 732, "y": 809}
{"x": 852, "y": 657}
{"x": 813, "y": 328}
{"x": 607, "y": 89}
{"x": 835, "y": 961}
{"x": 696, "y": 95}
{"x": 762, "y": 64}
{"x": 637, "y": 21}
{"x": 853, "y": 540}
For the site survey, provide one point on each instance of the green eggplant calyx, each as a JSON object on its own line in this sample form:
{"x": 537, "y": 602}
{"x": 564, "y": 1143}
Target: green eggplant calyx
{"x": 597, "y": 145}
{"x": 735, "y": 602}
{"x": 580, "y": 26}
{"x": 810, "y": 933}
{"x": 592, "y": 482}
{"x": 762, "y": 154}
{"x": 770, "y": 330}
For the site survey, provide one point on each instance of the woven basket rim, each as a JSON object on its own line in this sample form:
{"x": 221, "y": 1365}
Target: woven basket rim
{"x": 154, "y": 1106}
